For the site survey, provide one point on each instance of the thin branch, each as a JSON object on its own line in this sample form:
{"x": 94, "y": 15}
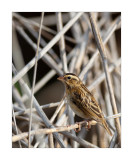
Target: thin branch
{"x": 71, "y": 115}
{"x": 43, "y": 44}
{"x": 76, "y": 30}
{"x": 63, "y": 118}
{"x": 46, "y": 58}
{"x": 57, "y": 111}
{"x": 17, "y": 97}
{"x": 59, "y": 129}
{"x": 23, "y": 141}
{"x": 114, "y": 116}
{"x": 83, "y": 46}
{"x": 51, "y": 19}
{"x": 34, "y": 77}
{"x": 62, "y": 42}
{"x": 105, "y": 65}
{"x": 47, "y": 131}
{"x": 39, "y": 110}
{"x": 113, "y": 140}
{"x": 81, "y": 141}
{"x": 102, "y": 76}
{"x": 23, "y": 71}
{"x": 51, "y": 140}
{"x": 50, "y": 74}
{"x": 50, "y": 105}
{"x": 15, "y": 124}
{"x": 35, "y": 25}
{"x": 106, "y": 37}
{"x": 17, "y": 54}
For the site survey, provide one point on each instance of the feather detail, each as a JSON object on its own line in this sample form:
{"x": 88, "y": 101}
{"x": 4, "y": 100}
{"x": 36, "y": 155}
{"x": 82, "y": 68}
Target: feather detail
{"x": 104, "y": 123}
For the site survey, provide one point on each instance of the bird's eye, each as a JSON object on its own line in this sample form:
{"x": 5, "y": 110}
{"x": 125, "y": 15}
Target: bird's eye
{"x": 69, "y": 77}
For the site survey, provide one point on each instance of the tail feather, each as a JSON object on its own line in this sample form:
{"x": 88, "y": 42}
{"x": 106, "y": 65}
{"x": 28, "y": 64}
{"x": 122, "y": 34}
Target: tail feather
{"x": 107, "y": 127}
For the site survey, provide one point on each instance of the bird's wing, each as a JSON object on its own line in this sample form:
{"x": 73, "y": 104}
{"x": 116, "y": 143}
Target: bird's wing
{"x": 91, "y": 105}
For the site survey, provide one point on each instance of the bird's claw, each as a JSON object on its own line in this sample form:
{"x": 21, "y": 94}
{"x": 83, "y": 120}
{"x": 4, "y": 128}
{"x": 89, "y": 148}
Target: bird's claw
{"x": 88, "y": 125}
{"x": 79, "y": 127}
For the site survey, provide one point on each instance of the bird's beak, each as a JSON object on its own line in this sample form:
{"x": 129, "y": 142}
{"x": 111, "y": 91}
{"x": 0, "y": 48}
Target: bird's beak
{"x": 60, "y": 78}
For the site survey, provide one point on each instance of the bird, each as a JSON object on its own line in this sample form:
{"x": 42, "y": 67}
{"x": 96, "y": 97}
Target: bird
{"x": 82, "y": 101}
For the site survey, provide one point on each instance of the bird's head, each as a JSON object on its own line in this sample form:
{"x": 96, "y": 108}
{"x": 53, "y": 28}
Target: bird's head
{"x": 70, "y": 79}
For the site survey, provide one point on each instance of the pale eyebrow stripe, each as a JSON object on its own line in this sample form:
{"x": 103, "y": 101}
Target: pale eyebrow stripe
{"x": 74, "y": 77}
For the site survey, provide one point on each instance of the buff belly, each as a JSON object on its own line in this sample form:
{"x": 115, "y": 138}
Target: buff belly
{"x": 76, "y": 109}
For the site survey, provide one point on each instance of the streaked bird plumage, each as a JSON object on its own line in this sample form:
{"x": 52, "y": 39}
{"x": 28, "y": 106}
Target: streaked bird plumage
{"x": 82, "y": 101}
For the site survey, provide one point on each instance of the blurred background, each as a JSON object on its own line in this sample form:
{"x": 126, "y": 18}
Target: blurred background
{"x": 78, "y": 39}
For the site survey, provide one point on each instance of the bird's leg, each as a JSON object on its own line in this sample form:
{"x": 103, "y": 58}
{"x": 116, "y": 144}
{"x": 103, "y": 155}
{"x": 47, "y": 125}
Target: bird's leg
{"x": 88, "y": 124}
{"x": 85, "y": 124}
{"x": 79, "y": 127}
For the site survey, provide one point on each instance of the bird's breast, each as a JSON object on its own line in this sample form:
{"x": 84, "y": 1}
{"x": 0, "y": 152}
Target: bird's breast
{"x": 77, "y": 108}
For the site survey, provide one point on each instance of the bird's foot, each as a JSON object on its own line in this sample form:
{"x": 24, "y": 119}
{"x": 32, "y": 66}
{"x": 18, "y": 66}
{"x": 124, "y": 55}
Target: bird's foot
{"x": 88, "y": 125}
{"x": 79, "y": 127}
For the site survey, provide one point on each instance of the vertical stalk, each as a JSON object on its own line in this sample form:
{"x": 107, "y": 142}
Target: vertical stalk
{"x": 105, "y": 66}
{"x": 34, "y": 78}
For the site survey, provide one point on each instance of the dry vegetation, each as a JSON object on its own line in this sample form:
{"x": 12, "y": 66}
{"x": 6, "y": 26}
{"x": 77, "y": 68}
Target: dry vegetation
{"x": 47, "y": 45}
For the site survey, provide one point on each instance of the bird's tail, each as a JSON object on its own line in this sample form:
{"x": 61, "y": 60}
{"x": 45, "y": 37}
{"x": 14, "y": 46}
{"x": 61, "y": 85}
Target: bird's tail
{"x": 106, "y": 127}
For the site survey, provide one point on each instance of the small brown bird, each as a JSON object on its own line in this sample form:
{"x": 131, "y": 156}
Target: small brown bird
{"x": 82, "y": 101}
